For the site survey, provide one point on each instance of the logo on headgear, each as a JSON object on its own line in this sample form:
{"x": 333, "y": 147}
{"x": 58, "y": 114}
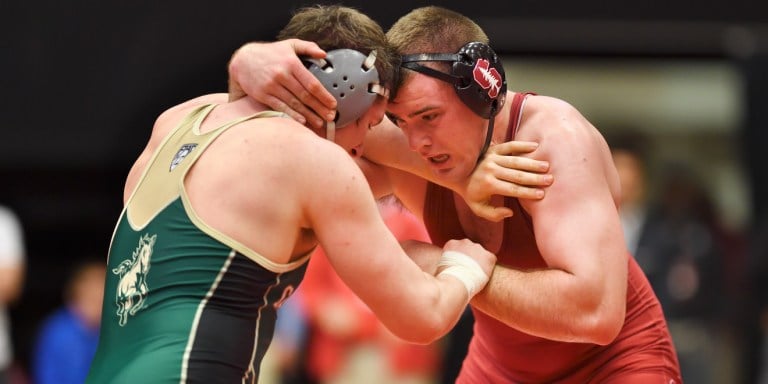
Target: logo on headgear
{"x": 487, "y": 77}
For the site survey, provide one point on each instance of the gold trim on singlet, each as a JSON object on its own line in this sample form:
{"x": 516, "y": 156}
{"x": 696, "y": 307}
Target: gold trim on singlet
{"x": 162, "y": 183}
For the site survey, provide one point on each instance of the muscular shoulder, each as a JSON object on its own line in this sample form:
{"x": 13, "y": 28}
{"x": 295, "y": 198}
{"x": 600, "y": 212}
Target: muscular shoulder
{"x": 292, "y": 150}
{"x": 551, "y": 112}
{"x": 576, "y": 150}
{"x": 324, "y": 179}
{"x": 557, "y": 126}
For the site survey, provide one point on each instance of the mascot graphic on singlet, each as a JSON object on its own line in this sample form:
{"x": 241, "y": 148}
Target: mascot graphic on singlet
{"x": 132, "y": 288}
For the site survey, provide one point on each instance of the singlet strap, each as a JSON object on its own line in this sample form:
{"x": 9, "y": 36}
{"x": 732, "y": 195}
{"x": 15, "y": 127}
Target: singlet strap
{"x": 515, "y": 116}
{"x": 516, "y": 113}
{"x": 163, "y": 177}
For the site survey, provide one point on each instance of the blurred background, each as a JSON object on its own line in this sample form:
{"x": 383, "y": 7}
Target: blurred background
{"x": 680, "y": 86}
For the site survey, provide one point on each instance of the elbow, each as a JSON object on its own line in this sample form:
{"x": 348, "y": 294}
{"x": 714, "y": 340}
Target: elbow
{"x": 603, "y": 326}
{"x": 422, "y": 339}
{"x": 422, "y": 331}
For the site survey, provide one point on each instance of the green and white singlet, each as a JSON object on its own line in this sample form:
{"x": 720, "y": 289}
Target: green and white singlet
{"x": 183, "y": 302}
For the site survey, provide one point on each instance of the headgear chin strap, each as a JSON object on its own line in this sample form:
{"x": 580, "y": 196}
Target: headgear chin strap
{"x": 352, "y": 79}
{"x": 477, "y": 76}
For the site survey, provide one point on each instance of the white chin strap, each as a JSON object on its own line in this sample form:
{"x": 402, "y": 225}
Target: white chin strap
{"x": 330, "y": 130}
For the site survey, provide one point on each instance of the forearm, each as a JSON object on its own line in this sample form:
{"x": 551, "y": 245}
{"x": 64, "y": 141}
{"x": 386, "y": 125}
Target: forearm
{"x": 437, "y": 302}
{"x": 436, "y": 306}
{"x": 552, "y": 304}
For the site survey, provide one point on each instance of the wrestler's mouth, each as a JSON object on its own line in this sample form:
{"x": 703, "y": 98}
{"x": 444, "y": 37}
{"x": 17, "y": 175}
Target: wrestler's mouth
{"x": 439, "y": 159}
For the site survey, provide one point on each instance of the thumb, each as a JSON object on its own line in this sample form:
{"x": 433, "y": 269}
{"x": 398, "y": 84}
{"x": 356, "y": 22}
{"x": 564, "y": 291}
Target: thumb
{"x": 492, "y": 213}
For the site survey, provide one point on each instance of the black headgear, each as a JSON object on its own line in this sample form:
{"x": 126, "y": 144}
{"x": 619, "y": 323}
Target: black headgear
{"x": 352, "y": 79}
{"x": 477, "y": 75}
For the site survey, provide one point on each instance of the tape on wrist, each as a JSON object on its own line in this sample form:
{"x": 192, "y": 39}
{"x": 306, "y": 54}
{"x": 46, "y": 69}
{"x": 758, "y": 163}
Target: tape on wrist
{"x": 464, "y": 268}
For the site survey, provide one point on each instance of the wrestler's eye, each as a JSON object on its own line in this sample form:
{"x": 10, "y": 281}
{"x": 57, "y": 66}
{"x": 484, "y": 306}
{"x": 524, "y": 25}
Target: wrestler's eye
{"x": 394, "y": 119}
{"x": 429, "y": 117}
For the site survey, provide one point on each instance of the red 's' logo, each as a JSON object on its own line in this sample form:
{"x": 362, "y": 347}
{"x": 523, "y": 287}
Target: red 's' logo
{"x": 488, "y": 78}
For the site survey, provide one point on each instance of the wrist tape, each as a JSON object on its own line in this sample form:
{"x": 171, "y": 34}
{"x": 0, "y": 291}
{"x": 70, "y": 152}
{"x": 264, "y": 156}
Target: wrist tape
{"x": 464, "y": 268}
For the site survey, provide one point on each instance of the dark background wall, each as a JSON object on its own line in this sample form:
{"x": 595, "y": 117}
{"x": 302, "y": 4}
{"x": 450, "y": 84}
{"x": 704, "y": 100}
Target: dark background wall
{"x": 82, "y": 82}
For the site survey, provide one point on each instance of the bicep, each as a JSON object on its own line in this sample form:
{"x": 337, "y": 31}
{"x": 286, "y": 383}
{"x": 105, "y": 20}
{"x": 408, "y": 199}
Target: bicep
{"x": 576, "y": 225}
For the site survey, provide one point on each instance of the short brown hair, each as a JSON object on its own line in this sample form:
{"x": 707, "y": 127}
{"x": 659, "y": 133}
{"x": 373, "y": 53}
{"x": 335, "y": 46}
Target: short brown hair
{"x": 335, "y": 27}
{"x": 432, "y": 29}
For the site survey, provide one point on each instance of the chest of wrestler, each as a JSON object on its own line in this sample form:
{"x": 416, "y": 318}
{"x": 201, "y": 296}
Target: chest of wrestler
{"x": 512, "y": 240}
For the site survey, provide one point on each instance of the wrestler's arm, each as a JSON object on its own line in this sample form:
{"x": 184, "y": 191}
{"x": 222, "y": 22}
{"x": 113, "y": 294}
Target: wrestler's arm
{"x": 581, "y": 296}
{"x": 415, "y": 305}
{"x": 503, "y": 170}
{"x": 409, "y": 189}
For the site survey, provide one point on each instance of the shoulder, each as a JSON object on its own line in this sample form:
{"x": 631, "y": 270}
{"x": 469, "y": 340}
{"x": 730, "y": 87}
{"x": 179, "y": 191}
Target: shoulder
{"x": 551, "y": 109}
{"x": 566, "y": 138}
{"x": 170, "y": 116}
{"x": 546, "y": 117}
{"x": 286, "y": 146}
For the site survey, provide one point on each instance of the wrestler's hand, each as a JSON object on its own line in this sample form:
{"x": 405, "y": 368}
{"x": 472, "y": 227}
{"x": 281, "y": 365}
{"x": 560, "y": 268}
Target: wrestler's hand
{"x": 273, "y": 74}
{"x": 469, "y": 262}
{"x": 504, "y": 172}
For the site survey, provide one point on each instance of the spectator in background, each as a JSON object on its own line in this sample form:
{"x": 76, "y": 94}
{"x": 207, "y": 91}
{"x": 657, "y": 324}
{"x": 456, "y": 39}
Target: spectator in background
{"x": 629, "y": 157}
{"x": 12, "y": 269}
{"x": 676, "y": 241}
{"x": 68, "y": 338}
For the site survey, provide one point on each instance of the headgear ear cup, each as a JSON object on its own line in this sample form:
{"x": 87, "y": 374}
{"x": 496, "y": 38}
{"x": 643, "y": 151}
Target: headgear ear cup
{"x": 483, "y": 86}
{"x": 352, "y": 79}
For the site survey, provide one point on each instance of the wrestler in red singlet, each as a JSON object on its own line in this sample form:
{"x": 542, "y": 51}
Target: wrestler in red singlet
{"x": 642, "y": 352}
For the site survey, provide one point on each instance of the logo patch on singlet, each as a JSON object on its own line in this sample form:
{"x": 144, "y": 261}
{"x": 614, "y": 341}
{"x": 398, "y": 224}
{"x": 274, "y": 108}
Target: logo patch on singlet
{"x": 132, "y": 288}
{"x": 181, "y": 154}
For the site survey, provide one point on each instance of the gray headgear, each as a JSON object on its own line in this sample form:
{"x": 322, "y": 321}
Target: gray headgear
{"x": 352, "y": 79}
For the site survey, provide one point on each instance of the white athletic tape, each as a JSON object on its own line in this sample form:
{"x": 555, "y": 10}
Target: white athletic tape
{"x": 464, "y": 268}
